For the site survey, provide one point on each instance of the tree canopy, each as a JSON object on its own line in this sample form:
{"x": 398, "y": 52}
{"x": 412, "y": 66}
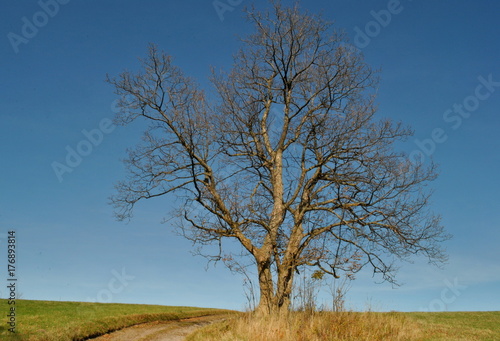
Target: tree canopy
{"x": 289, "y": 158}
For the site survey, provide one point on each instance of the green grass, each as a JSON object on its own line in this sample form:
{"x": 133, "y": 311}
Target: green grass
{"x": 71, "y": 321}
{"x": 459, "y": 325}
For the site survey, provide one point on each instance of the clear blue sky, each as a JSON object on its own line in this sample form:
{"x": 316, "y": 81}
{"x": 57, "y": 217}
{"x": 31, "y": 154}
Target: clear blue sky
{"x": 440, "y": 73}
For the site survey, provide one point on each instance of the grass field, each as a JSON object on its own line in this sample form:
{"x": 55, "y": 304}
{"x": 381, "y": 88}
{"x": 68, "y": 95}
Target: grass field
{"x": 369, "y": 326}
{"x": 68, "y": 321}
{"x": 71, "y": 321}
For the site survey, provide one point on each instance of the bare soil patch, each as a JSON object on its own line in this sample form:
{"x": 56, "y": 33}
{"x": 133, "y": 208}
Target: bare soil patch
{"x": 160, "y": 331}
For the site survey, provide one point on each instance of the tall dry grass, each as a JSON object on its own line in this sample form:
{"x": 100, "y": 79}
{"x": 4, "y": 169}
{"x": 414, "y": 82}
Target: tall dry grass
{"x": 315, "y": 326}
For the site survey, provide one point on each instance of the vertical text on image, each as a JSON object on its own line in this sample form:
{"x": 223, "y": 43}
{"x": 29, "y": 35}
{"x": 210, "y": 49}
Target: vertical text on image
{"x": 11, "y": 280}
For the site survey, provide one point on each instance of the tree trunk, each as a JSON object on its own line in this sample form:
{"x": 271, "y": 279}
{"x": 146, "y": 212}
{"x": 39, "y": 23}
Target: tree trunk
{"x": 267, "y": 301}
{"x": 274, "y": 300}
{"x": 284, "y": 290}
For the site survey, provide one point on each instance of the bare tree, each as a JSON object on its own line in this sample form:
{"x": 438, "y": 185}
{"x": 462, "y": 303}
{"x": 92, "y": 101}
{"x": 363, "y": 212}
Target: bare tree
{"x": 339, "y": 289}
{"x": 306, "y": 289}
{"x": 287, "y": 158}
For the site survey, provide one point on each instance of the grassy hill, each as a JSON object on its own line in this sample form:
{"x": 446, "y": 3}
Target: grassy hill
{"x": 68, "y": 321}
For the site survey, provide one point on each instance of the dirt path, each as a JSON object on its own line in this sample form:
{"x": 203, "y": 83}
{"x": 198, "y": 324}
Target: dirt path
{"x": 160, "y": 331}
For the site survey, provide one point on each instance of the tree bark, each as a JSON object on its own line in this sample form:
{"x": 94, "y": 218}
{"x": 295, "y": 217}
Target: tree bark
{"x": 284, "y": 291}
{"x": 266, "y": 303}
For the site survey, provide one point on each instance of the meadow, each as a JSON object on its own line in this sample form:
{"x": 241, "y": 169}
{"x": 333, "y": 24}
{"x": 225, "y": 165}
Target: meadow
{"x": 359, "y": 326}
{"x": 71, "y": 321}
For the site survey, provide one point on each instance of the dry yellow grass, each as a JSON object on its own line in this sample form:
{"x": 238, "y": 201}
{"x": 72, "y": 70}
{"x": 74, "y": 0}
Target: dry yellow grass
{"x": 313, "y": 327}
{"x": 452, "y": 326}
